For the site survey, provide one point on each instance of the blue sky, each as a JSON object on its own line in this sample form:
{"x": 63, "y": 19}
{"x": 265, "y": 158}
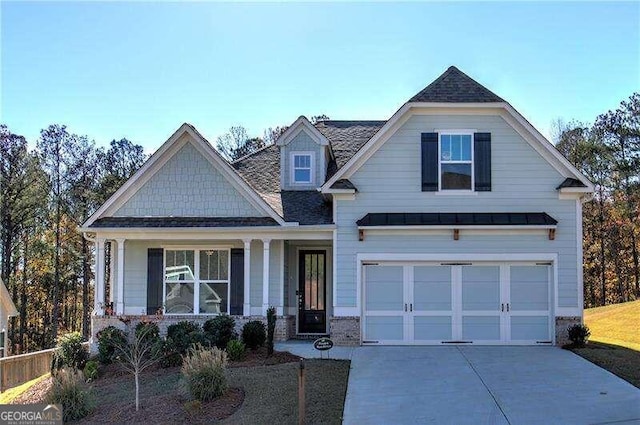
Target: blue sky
{"x": 138, "y": 70}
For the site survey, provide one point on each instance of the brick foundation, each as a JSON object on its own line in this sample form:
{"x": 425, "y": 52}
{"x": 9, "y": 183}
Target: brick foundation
{"x": 562, "y": 323}
{"x": 345, "y": 330}
{"x": 285, "y": 325}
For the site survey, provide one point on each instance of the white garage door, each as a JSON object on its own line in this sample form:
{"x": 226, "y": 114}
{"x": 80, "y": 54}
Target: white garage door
{"x": 435, "y": 303}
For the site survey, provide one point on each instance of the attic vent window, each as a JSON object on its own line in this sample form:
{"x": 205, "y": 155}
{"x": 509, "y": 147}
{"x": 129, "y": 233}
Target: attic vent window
{"x": 302, "y": 167}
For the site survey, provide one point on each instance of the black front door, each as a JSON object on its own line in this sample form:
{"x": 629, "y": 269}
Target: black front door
{"x": 312, "y": 310}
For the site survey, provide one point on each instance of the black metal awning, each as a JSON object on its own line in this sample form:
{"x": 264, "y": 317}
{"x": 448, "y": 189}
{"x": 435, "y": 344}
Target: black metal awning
{"x": 457, "y": 219}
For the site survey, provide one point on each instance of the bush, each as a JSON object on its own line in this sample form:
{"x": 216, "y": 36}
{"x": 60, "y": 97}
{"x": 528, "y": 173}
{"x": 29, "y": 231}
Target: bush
{"x": 70, "y": 352}
{"x": 203, "y": 372}
{"x": 90, "y": 370}
{"x": 235, "y": 350}
{"x": 150, "y": 331}
{"x": 108, "y": 339}
{"x": 220, "y": 330}
{"x": 578, "y": 334}
{"x": 180, "y": 338}
{"x": 68, "y": 390}
{"x": 271, "y": 328}
{"x": 253, "y": 334}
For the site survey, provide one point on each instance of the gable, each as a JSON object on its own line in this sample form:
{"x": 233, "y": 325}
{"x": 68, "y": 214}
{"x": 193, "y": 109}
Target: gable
{"x": 188, "y": 185}
{"x": 517, "y": 168}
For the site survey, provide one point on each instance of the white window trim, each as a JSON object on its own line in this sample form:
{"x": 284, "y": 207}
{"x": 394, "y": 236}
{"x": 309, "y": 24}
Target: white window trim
{"x": 292, "y": 168}
{"x": 473, "y": 183}
{"x": 196, "y": 282}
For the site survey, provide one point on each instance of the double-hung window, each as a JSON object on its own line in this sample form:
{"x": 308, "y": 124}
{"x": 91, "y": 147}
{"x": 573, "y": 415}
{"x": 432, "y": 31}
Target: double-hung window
{"x": 302, "y": 168}
{"x": 196, "y": 281}
{"x": 456, "y": 161}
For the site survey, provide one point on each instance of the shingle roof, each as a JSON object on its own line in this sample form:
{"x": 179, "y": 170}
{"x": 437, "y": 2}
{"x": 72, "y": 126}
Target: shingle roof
{"x": 346, "y": 138}
{"x": 183, "y": 222}
{"x": 455, "y": 86}
{"x": 460, "y": 219}
{"x": 569, "y": 182}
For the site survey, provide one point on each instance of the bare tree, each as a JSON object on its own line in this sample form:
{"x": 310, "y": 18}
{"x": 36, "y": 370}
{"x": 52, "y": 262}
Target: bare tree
{"x": 138, "y": 355}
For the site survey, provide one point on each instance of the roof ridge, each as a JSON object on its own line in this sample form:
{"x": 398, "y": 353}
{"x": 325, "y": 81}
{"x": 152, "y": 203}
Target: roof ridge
{"x": 455, "y": 92}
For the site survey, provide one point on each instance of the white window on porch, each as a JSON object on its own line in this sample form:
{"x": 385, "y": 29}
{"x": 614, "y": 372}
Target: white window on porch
{"x": 196, "y": 281}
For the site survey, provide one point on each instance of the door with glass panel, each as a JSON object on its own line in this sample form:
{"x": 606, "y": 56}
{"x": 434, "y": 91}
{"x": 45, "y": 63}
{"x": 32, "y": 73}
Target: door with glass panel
{"x": 312, "y": 309}
{"x": 384, "y": 304}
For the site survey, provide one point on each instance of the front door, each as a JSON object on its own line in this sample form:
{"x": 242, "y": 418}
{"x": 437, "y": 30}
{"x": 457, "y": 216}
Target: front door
{"x": 312, "y": 310}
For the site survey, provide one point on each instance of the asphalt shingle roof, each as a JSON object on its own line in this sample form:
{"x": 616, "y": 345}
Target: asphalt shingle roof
{"x": 455, "y": 86}
{"x": 183, "y": 222}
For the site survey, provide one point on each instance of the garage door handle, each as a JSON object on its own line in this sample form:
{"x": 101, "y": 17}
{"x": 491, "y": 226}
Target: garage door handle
{"x": 507, "y": 307}
{"x": 411, "y": 307}
{"x": 405, "y": 306}
{"x": 502, "y": 307}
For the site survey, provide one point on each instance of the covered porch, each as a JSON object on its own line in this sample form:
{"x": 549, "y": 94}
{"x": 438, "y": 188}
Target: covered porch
{"x": 174, "y": 274}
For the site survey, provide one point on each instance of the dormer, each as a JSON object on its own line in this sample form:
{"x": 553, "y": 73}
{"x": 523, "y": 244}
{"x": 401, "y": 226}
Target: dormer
{"x": 304, "y": 155}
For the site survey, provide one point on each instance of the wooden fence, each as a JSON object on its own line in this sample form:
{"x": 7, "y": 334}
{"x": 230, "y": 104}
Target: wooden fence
{"x": 16, "y": 370}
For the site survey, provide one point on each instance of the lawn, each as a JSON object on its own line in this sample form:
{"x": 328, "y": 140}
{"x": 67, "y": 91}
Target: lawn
{"x": 615, "y": 339}
{"x": 617, "y": 324}
{"x": 11, "y": 394}
{"x": 259, "y": 394}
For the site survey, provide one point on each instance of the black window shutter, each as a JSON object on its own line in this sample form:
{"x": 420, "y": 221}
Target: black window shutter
{"x": 482, "y": 161}
{"x": 429, "y": 162}
{"x": 237, "y": 282}
{"x": 154, "y": 279}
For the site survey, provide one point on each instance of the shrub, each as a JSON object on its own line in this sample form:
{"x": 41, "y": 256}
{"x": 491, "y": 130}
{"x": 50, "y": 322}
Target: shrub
{"x": 203, "y": 372}
{"x": 68, "y": 390}
{"x": 108, "y": 339}
{"x": 70, "y": 352}
{"x": 180, "y": 338}
{"x": 235, "y": 350}
{"x": 150, "y": 331}
{"x": 578, "y": 334}
{"x": 90, "y": 370}
{"x": 271, "y": 328}
{"x": 220, "y": 330}
{"x": 253, "y": 334}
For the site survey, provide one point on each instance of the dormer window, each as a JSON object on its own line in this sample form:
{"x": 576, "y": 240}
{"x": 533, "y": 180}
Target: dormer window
{"x": 456, "y": 161}
{"x": 302, "y": 167}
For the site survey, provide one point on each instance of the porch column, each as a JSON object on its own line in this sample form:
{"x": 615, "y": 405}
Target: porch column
{"x": 247, "y": 277}
{"x": 98, "y": 302}
{"x": 265, "y": 275}
{"x": 120, "y": 278}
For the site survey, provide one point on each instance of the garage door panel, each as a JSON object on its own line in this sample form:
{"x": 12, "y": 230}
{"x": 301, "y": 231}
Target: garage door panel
{"x": 481, "y": 328}
{"x": 432, "y": 288}
{"x": 529, "y": 328}
{"x": 480, "y": 288}
{"x": 384, "y": 328}
{"x": 529, "y": 288}
{"x": 432, "y": 328}
{"x": 384, "y": 289}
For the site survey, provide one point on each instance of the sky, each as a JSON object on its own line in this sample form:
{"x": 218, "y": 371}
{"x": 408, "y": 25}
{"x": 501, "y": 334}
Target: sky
{"x": 139, "y": 70}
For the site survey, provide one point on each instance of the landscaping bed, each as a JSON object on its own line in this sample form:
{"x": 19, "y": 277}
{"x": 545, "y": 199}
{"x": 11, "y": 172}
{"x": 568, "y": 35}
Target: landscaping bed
{"x": 262, "y": 390}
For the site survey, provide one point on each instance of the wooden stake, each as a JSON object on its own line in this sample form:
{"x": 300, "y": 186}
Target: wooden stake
{"x": 301, "y": 394}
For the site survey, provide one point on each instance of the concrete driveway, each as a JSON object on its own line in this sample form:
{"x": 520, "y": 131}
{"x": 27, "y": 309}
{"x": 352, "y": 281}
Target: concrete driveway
{"x": 484, "y": 385}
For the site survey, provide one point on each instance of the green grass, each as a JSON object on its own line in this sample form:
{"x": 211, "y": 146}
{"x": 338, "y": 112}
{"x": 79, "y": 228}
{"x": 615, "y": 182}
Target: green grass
{"x": 12, "y": 393}
{"x": 615, "y": 324}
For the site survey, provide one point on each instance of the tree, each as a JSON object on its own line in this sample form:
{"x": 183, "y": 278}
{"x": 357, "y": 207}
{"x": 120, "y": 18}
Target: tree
{"x": 119, "y": 162}
{"x": 317, "y": 118}
{"x": 138, "y": 355}
{"x": 236, "y": 143}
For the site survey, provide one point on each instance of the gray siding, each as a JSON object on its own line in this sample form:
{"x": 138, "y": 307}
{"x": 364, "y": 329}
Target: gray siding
{"x": 188, "y": 185}
{"x": 275, "y": 284}
{"x": 522, "y": 181}
{"x": 302, "y": 143}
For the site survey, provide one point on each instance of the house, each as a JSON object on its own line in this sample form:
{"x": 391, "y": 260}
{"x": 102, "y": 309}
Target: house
{"x": 7, "y": 309}
{"x": 455, "y": 221}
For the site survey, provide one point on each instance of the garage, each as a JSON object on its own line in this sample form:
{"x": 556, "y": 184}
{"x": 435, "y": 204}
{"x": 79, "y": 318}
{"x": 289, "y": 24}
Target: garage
{"x": 434, "y": 303}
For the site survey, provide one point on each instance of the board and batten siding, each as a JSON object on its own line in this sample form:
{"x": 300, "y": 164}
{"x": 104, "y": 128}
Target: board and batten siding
{"x": 135, "y": 271}
{"x": 522, "y": 181}
{"x": 302, "y": 142}
{"x": 188, "y": 185}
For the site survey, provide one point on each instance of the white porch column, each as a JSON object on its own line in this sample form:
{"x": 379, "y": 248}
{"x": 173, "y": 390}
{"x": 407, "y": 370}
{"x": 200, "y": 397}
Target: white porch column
{"x": 247, "y": 277}
{"x": 265, "y": 275}
{"x": 98, "y": 303}
{"x": 120, "y": 278}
